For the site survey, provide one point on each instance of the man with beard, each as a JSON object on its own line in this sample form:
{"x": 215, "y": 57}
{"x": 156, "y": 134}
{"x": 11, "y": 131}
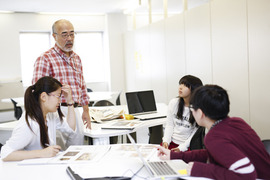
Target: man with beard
{"x": 63, "y": 64}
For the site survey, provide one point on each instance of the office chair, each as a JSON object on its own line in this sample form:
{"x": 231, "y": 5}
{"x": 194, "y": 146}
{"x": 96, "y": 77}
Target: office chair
{"x": 197, "y": 141}
{"x": 17, "y": 110}
{"x": 114, "y": 139}
{"x": 118, "y": 99}
{"x": 103, "y": 103}
{"x": 266, "y": 144}
{"x": 90, "y": 102}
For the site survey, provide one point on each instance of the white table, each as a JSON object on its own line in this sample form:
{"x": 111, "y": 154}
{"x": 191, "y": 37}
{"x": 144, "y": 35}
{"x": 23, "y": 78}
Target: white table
{"x": 101, "y": 95}
{"x": 99, "y": 135}
{"x": 19, "y": 100}
{"x": 112, "y": 164}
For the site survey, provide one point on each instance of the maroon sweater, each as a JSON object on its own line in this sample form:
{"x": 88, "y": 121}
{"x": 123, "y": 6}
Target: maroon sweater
{"x": 233, "y": 151}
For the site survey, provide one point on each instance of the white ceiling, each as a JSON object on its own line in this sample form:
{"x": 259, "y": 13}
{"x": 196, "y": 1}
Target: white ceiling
{"x": 93, "y": 6}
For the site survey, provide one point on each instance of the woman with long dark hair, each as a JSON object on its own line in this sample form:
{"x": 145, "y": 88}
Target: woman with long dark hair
{"x": 35, "y": 134}
{"x": 180, "y": 125}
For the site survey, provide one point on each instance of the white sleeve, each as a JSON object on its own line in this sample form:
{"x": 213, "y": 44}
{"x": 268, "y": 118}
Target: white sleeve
{"x": 184, "y": 146}
{"x": 64, "y": 127}
{"x": 169, "y": 123}
{"x": 20, "y": 138}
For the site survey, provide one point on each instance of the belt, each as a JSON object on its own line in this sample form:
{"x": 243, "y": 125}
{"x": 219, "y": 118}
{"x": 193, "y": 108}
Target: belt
{"x": 65, "y": 104}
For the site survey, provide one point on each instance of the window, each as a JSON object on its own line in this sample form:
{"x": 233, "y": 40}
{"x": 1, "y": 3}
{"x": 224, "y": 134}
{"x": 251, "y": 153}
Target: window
{"x": 88, "y": 45}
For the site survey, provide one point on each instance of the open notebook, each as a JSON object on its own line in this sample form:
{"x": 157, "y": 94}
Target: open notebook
{"x": 142, "y": 105}
{"x": 162, "y": 169}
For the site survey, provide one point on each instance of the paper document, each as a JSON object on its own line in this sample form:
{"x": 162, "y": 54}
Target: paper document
{"x": 74, "y": 154}
{"x": 122, "y": 124}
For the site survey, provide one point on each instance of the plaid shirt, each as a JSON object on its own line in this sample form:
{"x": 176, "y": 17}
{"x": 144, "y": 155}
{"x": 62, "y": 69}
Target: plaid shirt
{"x": 67, "y": 70}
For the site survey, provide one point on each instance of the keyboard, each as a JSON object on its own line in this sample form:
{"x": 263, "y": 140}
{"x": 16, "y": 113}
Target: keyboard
{"x": 161, "y": 168}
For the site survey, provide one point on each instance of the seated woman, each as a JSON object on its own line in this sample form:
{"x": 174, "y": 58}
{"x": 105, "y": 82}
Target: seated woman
{"x": 180, "y": 125}
{"x": 35, "y": 134}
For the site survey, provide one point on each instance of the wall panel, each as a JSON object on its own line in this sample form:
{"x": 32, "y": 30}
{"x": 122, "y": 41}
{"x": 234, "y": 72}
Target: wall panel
{"x": 259, "y": 63}
{"x": 198, "y": 43}
{"x": 157, "y": 66}
{"x": 229, "y": 52}
{"x": 175, "y": 53}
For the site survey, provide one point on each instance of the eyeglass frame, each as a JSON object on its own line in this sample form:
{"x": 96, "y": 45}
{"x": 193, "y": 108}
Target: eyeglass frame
{"x": 65, "y": 35}
{"x": 58, "y": 97}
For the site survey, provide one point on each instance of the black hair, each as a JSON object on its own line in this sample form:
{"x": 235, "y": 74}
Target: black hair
{"x": 32, "y": 104}
{"x": 213, "y": 100}
{"x": 192, "y": 83}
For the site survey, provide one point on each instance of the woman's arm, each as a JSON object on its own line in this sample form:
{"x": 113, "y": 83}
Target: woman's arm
{"x": 169, "y": 123}
{"x": 71, "y": 120}
{"x": 50, "y": 151}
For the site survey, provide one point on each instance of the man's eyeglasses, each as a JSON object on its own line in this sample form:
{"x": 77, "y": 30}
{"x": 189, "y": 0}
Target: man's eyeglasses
{"x": 57, "y": 96}
{"x": 66, "y": 35}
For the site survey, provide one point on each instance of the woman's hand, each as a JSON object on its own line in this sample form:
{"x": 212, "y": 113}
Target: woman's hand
{"x": 66, "y": 90}
{"x": 165, "y": 145}
{"x": 163, "y": 153}
{"x": 50, "y": 151}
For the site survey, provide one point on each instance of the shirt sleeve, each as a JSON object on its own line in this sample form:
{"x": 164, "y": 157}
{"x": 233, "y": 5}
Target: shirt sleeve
{"x": 41, "y": 68}
{"x": 62, "y": 125}
{"x": 200, "y": 155}
{"x": 169, "y": 123}
{"x": 184, "y": 146}
{"x": 20, "y": 138}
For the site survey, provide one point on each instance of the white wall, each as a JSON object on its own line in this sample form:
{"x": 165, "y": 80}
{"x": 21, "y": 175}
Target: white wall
{"x": 12, "y": 24}
{"x": 225, "y": 42}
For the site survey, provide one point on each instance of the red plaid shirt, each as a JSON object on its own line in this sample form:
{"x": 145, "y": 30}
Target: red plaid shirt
{"x": 67, "y": 70}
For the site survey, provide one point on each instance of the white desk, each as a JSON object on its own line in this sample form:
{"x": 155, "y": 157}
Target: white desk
{"x": 19, "y": 100}
{"x": 101, "y": 95}
{"x": 99, "y": 135}
{"x": 112, "y": 164}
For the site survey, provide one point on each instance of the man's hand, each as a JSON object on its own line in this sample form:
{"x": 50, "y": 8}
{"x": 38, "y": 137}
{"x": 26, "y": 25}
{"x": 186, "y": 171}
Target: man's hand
{"x": 86, "y": 117}
{"x": 163, "y": 153}
{"x": 189, "y": 167}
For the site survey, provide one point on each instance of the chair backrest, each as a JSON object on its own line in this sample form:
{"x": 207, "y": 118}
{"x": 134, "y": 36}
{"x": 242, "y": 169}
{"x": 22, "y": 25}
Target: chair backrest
{"x": 118, "y": 99}
{"x": 103, "y": 103}
{"x": 197, "y": 141}
{"x": 266, "y": 144}
{"x": 17, "y": 110}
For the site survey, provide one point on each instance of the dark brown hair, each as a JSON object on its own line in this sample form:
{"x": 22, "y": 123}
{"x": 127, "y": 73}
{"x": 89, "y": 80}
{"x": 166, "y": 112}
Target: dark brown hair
{"x": 32, "y": 105}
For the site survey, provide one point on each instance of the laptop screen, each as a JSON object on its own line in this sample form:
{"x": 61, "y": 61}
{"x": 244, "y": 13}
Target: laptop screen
{"x": 141, "y": 102}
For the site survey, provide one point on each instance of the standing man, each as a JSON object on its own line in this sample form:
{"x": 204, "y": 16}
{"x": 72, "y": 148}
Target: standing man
{"x": 65, "y": 65}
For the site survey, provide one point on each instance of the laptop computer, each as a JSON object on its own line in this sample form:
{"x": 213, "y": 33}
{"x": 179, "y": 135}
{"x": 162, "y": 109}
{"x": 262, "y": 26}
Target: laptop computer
{"x": 142, "y": 105}
{"x": 162, "y": 169}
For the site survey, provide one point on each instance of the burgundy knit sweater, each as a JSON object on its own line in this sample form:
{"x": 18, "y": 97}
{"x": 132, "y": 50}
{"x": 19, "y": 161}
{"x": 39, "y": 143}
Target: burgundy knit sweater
{"x": 233, "y": 151}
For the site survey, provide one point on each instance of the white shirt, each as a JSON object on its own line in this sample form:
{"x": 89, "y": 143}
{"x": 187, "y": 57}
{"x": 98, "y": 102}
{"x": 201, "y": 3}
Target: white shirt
{"x": 23, "y": 138}
{"x": 180, "y": 131}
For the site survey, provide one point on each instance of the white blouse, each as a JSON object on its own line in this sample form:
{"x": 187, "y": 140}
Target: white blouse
{"x": 23, "y": 138}
{"x": 180, "y": 131}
